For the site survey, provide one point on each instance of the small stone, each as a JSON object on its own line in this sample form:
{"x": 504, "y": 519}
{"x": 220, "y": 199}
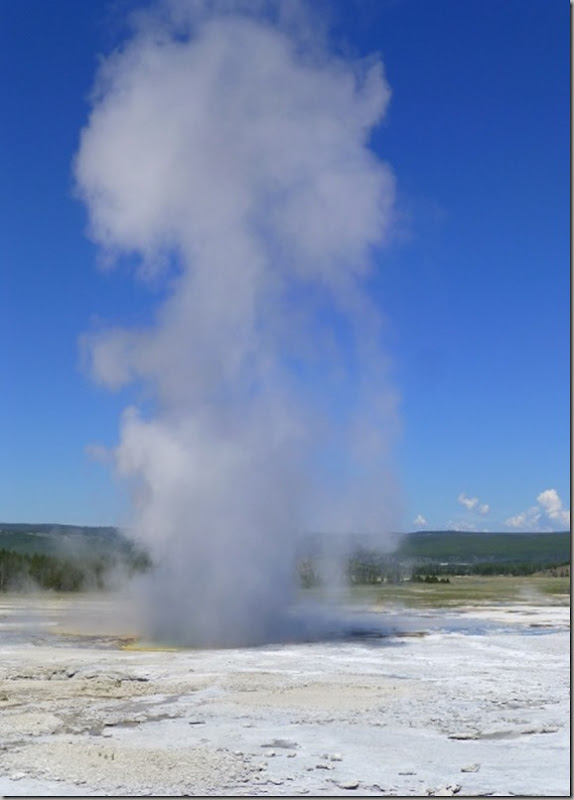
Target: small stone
{"x": 324, "y": 766}
{"x": 470, "y": 768}
{"x": 335, "y": 757}
{"x": 283, "y": 744}
{"x": 350, "y": 784}
{"x": 447, "y": 791}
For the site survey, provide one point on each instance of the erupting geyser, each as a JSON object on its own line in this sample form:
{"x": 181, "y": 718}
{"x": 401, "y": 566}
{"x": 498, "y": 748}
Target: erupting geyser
{"x": 229, "y": 154}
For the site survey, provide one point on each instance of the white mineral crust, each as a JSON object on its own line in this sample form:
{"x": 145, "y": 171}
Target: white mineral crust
{"x": 478, "y": 705}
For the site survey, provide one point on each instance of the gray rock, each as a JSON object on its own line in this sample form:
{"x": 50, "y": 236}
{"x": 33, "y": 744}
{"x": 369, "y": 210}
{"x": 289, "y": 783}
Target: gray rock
{"x": 281, "y": 744}
{"x": 448, "y": 790}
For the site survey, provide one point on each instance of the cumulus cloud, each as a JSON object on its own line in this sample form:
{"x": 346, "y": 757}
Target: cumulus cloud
{"x": 525, "y": 520}
{"x": 549, "y": 514}
{"x": 552, "y": 505}
{"x": 420, "y": 520}
{"x": 468, "y": 502}
{"x": 473, "y": 504}
{"x": 229, "y": 154}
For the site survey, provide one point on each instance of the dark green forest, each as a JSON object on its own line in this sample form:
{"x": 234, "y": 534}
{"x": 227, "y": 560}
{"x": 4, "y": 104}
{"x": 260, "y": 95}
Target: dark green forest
{"x": 431, "y": 556}
{"x": 68, "y": 558}
{"x": 65, "y": 558}
{"x": 466, "y": 547}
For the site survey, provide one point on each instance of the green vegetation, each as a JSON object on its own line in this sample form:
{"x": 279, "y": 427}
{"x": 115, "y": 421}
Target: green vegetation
{"x": 468, "y": 590}
{"x": 65, "y": 558}
{"x": 463, "y": 547}
{"x": 442, "y": 558}
{"x": 437, "y": 567}
{"x": 50, "y": 539}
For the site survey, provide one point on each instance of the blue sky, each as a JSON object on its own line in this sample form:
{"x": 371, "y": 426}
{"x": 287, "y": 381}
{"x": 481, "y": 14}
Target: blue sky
{"x": 474, "y": 284}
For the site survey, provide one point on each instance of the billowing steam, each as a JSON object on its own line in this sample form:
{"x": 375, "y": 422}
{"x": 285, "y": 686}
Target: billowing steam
{"x": 230, "y": 156}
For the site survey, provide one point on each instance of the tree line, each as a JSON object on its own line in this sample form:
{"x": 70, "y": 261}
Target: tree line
{"x": 364, "y": 567}
{"x": 28, "y": 571}
{"x": 99, "y": 571}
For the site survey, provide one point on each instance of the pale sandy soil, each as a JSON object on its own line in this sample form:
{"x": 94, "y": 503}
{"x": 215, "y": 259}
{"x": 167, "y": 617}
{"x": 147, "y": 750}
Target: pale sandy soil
{"x": 477, "y": 705}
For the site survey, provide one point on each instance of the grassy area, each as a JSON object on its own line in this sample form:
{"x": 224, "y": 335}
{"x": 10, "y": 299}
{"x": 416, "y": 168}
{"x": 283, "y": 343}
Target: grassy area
{"x": 469, "y": 590}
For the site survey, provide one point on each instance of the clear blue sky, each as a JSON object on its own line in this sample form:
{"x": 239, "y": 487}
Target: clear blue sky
{"x": 475, "y": 284}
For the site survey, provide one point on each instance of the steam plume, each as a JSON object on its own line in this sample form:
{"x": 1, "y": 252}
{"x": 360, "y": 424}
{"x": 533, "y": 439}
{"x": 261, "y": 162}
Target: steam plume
{"x": 230, "y": 155}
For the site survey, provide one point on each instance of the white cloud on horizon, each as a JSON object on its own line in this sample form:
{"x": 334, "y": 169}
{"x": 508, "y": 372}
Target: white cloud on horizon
{"x": 461, "y": 525}
{"x": 552, "y": 505}
{"x": 549, "y": 510}
{"x": 526, "y": 520}
{"x": 420, "y": 520}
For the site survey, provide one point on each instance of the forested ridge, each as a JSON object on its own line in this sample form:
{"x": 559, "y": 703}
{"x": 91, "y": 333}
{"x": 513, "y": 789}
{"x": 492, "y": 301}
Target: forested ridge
{"x": 72, "y": 558}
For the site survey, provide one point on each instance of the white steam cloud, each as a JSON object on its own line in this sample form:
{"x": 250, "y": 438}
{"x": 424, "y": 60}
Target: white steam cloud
{"x": 231, "y": 158}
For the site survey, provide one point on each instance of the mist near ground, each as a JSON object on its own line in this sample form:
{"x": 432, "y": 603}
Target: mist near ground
{"x": 227, "y": 150}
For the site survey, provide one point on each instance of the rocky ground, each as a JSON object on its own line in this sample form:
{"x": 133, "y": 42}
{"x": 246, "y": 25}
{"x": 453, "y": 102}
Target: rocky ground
{"x": 473, "y": 702}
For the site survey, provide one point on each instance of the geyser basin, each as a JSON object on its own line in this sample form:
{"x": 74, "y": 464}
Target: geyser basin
{"x": 406, "y": 720}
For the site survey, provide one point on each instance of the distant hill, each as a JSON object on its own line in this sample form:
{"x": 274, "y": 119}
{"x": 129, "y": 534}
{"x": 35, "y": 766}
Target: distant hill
{"x": 446, "y": 547}
{"x": 463, "y": 547}
{"x": 451, "y": 547}
{"x": 49, "y": 539}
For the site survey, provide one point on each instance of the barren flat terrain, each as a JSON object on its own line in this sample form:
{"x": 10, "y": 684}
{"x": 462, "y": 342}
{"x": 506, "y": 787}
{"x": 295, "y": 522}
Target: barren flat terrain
{"x": 471, "y": 701}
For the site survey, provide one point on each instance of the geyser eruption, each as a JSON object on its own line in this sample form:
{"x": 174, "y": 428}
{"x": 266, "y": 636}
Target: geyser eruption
{"x": 229, "y": 155}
